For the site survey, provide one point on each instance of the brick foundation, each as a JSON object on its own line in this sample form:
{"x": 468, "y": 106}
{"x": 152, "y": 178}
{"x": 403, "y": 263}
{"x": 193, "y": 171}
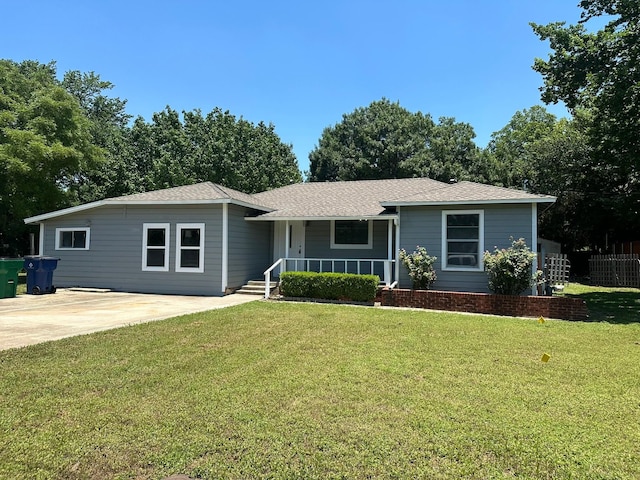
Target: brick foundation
{"x": 510, "y": 305}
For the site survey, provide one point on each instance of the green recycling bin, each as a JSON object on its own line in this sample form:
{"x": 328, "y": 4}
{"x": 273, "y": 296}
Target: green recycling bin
{"x": 9, "y": 268}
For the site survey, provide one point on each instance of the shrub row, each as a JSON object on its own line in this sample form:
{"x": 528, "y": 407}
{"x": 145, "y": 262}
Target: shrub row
{"x": 330, "y": 286}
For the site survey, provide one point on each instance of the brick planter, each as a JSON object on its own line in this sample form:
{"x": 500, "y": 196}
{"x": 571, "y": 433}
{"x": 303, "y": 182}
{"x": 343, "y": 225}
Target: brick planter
{"x": 509, "y": 305}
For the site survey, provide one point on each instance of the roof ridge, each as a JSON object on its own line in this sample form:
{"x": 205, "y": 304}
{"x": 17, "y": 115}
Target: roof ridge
{"x": 502, "y": 187}
{"x": 217, "y": 187}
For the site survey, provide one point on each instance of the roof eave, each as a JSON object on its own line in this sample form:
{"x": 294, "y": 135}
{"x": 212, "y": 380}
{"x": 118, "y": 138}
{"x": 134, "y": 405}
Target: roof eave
{"x": 64, "y": 211}
{"x": 100, "y": 203}
{"x": 190, "y": 202}
{"x": 261, "y": 218}
{"x": 443, "y": 203}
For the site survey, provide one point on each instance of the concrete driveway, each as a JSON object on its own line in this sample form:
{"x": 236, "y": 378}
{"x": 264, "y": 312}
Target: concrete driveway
{"x": 30, "y": 319}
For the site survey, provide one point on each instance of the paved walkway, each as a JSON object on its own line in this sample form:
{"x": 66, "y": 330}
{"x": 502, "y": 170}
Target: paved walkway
{"x": 30, "y": 319}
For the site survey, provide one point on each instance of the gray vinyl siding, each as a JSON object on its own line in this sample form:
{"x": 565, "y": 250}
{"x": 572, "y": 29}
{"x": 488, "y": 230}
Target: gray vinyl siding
{"x": 423, "y": 226}
{"x": 250, "y": 248}
{"x": 318, "y": 245}
{"x": 318, "y": 242}
{"x": 114, "y": 258}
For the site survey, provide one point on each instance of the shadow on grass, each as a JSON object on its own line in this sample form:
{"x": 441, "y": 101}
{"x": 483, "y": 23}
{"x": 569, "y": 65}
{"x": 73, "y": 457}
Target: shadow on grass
{"x": 612, "y": 307}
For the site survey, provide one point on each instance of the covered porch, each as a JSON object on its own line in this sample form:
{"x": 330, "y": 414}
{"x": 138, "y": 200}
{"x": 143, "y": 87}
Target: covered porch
{"x": 338, "y": 245}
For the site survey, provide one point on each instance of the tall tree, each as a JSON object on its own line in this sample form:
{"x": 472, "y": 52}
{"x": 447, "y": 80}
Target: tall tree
{"x": 560, "y": 161}
{"x": 108, "y": 122}
{"x": 512, "y": 146}
{"x": 599, "y": 72}
{"x": 45, "y": 141}
{"x": 218, "y": 147}
{"x": 385, "y": 140}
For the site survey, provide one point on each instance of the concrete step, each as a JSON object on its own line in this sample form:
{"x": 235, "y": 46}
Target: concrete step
{"x": 245, "y": 291}
{"x": 255, "y": 287}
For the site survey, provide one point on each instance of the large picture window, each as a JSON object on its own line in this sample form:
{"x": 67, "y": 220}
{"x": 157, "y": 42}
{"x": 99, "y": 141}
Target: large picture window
{"x": 72, "y": 238}
{"x": 351, "y": 234}
{"x": 190, "y": 247}
{"x": 462, "y": 239}
{"x": 155, "y": 247}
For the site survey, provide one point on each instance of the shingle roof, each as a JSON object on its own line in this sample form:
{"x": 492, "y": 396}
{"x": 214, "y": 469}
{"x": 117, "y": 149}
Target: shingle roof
{"x": 469, "y": 192}
{"x": 199, "y": 192}
{"x": 354, "y": 199}
{"x": 357, "y": 199}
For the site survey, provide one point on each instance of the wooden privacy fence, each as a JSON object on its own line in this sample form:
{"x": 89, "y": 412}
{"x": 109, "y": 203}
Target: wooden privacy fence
{"x": 615, "y": 270}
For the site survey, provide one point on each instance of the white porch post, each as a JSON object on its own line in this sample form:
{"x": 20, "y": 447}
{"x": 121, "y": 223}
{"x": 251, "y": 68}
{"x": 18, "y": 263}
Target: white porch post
{"x": 225, "y": 246}
{"x": 534, "y": 241}
{"x": 397, "y": 259}
{"x": 287, "y": 242}
{"x": 387, "y": 268}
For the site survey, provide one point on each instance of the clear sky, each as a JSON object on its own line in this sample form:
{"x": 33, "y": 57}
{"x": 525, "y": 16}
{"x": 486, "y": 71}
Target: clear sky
{"x": 299, "y": 65}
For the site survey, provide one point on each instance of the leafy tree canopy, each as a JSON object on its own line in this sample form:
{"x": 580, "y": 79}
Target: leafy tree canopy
{"x": 45, "y": 141}
{"x": 512, "y": 146}
{"x": 385, "y": 140}
{"x": 597, "y": 75}
{"x": 64, "y": 142}
{"x": 172, "y": 151}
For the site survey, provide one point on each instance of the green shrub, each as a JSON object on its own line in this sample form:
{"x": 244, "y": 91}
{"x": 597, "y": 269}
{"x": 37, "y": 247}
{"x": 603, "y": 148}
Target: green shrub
{"x": 509, "y": 269}
{"x": 329, "y": 286}
{"x": 420, "y": 267}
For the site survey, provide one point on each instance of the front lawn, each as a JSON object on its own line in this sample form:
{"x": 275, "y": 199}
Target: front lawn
{"x": 285, "y": 390}
{"x": 608, "y": 304}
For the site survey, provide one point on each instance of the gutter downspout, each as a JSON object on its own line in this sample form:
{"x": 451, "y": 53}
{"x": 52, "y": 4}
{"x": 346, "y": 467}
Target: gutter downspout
{"x": 397, "y": 249}
{"x": 41, "y": 239}
{"x": 225, "y": 247}
{"x": 534, "y": 241}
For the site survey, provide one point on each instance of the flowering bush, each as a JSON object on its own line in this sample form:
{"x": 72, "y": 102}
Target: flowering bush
{"x": 509, "y": 269}
{"x": 420, "y": 266}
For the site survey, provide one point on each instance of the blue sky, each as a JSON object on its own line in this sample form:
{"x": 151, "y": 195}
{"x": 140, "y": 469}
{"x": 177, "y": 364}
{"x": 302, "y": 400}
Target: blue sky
{"x": 299, "y": 65}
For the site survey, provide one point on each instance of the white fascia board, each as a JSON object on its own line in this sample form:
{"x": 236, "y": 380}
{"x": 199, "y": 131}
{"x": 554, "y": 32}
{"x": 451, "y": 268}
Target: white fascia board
{"x": 187, "y": 202}
{"x": 471, "y": 202}
{"x": 261, "y": 218}
{"x": 248, "y": 205}
{"x": 64, "y": 211}
{"x": 100, "y": 203}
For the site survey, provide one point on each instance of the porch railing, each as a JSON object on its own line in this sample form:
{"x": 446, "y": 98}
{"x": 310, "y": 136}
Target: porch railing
{"x": 361, "y": 266}
{"x": 267, "y": 277}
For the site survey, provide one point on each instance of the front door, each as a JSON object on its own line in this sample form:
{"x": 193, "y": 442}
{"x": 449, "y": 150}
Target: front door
{"x": 296, "y": 239}
{"x": 289, "y": 245}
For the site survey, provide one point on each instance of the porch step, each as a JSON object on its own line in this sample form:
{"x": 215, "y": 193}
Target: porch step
{"x": 255, "y": 287}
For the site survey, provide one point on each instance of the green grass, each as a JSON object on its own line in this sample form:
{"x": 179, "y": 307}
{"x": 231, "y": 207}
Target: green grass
{"x": 21, "y": 289}
{"x": 608, "y": 304}
{"x": 283, "y": 390}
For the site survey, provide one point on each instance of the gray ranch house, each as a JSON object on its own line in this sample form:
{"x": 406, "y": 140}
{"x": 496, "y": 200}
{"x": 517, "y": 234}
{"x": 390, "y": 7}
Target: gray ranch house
{"x": 206, "y": 239}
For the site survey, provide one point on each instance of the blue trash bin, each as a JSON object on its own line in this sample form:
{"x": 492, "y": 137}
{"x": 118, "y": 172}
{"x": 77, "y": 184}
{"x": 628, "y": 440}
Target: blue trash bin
{"x": 40, "y": 274}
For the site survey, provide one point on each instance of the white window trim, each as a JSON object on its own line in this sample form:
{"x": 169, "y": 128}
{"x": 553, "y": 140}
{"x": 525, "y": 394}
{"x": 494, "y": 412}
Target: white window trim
{"x": 480, "y": 266}
{"x": 87, "y": 230}
{"x": 179, "y": 228}
{"x": 145, "y": 247}
{"x": 350, "y": 246}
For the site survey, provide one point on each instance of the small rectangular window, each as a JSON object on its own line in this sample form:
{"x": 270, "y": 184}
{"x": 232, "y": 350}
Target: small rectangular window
{"x": 351, "y": 234}
{"x": 72, "y": 238}
{"x": 155, "y": 247}
{"x": 462, "y": 239}
{"x": 190, "y": 247}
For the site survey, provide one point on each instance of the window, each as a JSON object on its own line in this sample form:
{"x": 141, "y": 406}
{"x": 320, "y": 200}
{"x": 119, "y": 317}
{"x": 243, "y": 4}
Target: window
{"x": 190, "y": 247}
{"x": 155, "y": 247}
{"x": 462, "y": 239}
{"x": 351, "y": 234}
{"x": 72, "y": 238}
